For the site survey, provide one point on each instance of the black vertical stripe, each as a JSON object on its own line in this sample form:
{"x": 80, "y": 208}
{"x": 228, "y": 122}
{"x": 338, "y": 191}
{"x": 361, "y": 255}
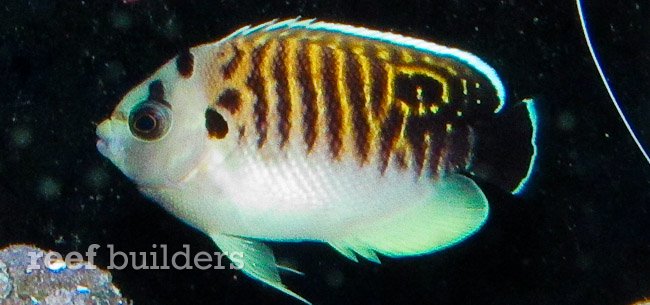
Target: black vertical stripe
{"x": 156, "y": 91}
{"x": 378, "y": 86}
{"x": 230, "y": 67}
{"x": 400, "y": 159}
{"x": 390, "y": 131}
{"x": 185, "y": 63}
{"x": 310, "y": 111}
{"x": 416, "y": 128}
{"x": 438, "y": 137}
{"x": 256, "y": 82}
{"x": 284, "y": 97}
{"x": 361, "y": 126}
{"x": 458, "y": 147}
{"x": 332, "y": 101}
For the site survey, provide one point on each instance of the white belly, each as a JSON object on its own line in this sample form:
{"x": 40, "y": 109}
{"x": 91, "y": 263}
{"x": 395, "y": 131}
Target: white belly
{"x": 292, "y": 197}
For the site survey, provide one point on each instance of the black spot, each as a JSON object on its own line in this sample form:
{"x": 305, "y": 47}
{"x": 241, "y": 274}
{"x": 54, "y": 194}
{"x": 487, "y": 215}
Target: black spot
{"x": 156, "y": 91}
{"x": 185, "y": 63}
{"x": 231, "y": 100}
{"x": 215, "y": 124}
{"x": 233, "y": 63}
{"x": 408, "y": 85}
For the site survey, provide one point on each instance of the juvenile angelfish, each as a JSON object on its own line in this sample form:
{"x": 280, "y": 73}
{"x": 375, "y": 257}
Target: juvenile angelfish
{"x": 311, "y": 131}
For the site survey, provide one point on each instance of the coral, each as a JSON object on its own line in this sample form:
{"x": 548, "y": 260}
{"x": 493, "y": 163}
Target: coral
{"x": 27, "y": 276}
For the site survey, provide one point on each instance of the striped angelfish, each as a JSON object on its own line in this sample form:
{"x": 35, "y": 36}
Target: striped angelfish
{"x": 312, "y": 131}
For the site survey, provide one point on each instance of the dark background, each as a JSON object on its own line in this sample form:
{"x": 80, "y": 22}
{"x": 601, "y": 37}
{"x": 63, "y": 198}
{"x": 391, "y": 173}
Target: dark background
{"x": 579, "y": 235}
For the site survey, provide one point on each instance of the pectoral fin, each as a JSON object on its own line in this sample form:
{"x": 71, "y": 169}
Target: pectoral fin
{"x": 455, "y": 210}
{"x": 257, "y": 260}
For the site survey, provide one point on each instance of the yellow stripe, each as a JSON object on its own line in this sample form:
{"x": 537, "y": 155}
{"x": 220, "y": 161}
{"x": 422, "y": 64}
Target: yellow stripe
{"x": 315, "y": 55}
{"x": 367, "y": 80}
{"x": 295, "y": 90}
{"x": 344, "y": 99}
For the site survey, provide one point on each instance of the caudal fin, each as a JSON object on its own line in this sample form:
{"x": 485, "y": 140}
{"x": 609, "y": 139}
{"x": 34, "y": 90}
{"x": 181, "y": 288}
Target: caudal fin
{"x": 505, "y": 147}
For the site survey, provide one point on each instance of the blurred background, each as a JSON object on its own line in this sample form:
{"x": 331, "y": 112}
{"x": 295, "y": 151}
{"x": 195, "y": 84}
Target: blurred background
{"x": 578, "y": 235}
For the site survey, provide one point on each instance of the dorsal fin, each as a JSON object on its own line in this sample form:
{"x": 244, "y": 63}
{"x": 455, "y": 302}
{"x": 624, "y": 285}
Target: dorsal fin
{"x": 385, "y": 37}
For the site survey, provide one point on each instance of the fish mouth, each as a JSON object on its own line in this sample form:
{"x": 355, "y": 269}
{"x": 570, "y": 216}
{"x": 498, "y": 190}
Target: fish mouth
{"x": 102, "y": 142}
{"x": 102, "y": 146}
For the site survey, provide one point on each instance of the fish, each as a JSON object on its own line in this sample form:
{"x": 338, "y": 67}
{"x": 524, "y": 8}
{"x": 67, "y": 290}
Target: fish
{"x": 309, "y": 131}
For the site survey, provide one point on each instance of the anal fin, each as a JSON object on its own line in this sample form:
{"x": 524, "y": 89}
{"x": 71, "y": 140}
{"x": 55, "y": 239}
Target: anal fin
{"x": 255, "y": 259}
{"x": 456, "y": 209}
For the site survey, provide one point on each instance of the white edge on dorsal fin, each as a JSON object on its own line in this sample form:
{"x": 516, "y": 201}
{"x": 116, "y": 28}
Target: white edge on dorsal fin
{"x": 270, "y": 26}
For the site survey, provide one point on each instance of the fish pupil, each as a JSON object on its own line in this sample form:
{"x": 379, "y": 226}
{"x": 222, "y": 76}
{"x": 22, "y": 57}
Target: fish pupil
{"x": 146, "y": 122}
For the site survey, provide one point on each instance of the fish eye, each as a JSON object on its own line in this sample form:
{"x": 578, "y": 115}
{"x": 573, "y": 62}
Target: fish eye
{"x": 150, "y": 121}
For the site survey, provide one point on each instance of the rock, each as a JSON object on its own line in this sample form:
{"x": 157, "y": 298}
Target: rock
{"x": 26, "y": 278}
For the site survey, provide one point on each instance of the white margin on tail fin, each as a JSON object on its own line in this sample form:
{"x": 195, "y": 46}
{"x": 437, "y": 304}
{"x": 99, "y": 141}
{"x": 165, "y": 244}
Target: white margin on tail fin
{"x": 583, "y": 23}
{"x": 532, "y": 113}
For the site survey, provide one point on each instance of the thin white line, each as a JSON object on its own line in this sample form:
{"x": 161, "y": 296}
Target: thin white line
{"x": 609, "y": 90}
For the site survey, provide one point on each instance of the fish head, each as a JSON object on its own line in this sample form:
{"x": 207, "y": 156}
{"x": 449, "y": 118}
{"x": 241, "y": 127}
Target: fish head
{"x": 156, "y": 135}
